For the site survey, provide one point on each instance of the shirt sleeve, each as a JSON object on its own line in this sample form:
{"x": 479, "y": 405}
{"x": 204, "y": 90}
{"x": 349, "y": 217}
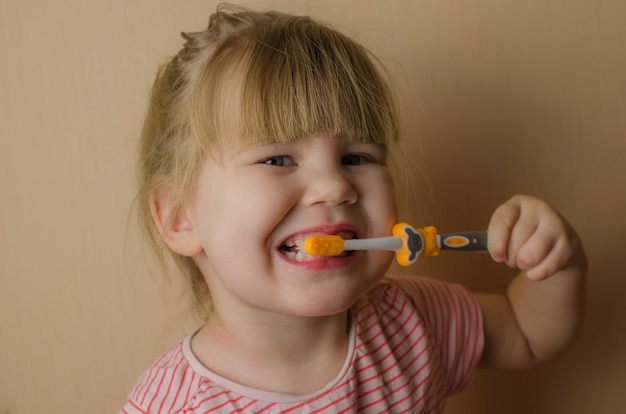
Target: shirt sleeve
{"x": 164, "y": 387}
{"x": 132, "y": 408}
{"x": 454, "y": 321}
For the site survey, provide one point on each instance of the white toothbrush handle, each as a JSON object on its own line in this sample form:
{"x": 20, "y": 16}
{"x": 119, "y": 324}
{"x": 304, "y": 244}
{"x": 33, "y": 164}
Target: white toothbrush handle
{"x": 391, "y": 243}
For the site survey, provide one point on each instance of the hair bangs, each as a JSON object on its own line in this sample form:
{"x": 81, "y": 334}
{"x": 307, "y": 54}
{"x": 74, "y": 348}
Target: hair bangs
{"x": 302, "y": 79}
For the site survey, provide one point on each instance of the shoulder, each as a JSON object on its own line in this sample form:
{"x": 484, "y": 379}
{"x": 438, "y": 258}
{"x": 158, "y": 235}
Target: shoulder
{"x": 166, "y": 386}
{"x": 432, "y": 301}
{"x": 428, "y": 296}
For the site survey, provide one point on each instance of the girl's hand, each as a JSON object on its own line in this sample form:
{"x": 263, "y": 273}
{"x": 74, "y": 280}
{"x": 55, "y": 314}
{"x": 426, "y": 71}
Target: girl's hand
{"x": 533, "y": 321}
{"x": 528, "y": 234}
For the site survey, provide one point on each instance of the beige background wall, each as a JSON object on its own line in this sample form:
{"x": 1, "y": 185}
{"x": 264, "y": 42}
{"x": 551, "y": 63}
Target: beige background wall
{"x": 505, "y": 97}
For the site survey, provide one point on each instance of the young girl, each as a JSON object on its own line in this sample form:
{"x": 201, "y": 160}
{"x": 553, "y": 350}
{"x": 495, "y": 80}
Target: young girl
{"x": 268, "y": 128}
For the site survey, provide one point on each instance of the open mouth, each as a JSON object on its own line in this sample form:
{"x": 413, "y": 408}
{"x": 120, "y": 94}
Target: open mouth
{"x": 293, "y": 248}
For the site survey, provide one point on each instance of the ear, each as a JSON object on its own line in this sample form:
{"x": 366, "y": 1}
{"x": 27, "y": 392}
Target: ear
{"x": 174, "y": 226}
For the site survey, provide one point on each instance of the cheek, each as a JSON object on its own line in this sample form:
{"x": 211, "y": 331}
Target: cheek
{"x": 380, "y": 198}
{"x": 251, "y": 210}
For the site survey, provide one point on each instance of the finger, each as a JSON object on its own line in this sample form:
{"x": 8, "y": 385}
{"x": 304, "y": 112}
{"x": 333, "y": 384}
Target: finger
{"x": 512, "y": 224}
{"x": 558, "y": 258}
{"x": 539, "y": 255}
{"x": 500, "y": 229}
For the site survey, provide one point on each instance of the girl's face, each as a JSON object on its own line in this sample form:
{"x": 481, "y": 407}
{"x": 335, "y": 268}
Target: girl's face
{"x": 250, "y": 210}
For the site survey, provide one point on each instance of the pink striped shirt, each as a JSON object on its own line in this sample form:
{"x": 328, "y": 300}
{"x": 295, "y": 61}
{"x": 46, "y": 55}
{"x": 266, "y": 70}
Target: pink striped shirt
{"x": 413, "y": 342}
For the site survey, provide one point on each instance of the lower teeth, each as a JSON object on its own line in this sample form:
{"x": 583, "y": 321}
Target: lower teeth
{"x": 299, "y": 256}
{"x": 302, "y": 256}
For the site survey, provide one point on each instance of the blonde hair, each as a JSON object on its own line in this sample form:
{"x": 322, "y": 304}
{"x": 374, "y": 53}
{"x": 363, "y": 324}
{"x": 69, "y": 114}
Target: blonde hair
{"x": 297, "y": 77}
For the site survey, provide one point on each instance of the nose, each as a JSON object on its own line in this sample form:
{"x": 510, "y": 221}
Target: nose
{"x": 329, "y": 188}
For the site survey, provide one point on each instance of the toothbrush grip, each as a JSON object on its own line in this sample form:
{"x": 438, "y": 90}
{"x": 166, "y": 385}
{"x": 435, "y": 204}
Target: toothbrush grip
{"x": 467, "y": 241}
{"x": 425, "y": 242}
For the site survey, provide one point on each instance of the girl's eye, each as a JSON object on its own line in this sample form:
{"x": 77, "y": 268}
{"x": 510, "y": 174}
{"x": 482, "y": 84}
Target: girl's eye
{"x": 357, "y": 159}
{"x": 278, "y": 161}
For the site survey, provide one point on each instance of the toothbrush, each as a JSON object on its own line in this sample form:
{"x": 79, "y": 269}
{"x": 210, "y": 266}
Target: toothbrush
{"x": 408, "y": 243}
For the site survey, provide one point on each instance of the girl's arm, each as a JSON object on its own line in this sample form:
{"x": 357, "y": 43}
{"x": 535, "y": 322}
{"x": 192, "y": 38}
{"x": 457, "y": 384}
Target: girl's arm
{"x": 543, "y": 308}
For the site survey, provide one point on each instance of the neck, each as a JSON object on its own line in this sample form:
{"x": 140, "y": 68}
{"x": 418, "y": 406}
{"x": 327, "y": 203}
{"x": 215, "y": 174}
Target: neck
{"x": 287, "y": 354}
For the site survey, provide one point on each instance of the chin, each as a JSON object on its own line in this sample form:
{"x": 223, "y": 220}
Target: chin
{"x": 331, "y": 300}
